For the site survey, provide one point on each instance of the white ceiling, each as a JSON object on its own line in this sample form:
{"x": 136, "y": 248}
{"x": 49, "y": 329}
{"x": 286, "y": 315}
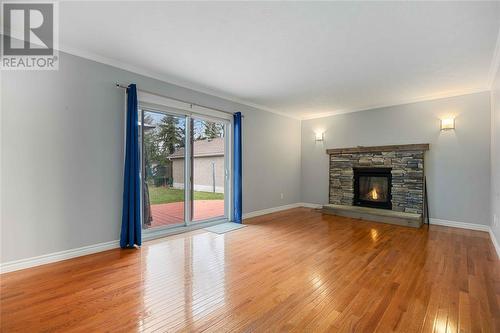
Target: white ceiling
{"x": 299, "y": 58}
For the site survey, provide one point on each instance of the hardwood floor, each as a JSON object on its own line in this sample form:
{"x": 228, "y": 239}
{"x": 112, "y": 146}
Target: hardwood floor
{"x": 296, "y": 270}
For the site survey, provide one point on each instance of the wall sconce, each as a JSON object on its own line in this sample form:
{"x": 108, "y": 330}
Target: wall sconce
{"x": 447, "y": 124}
{"x": 320, "y": 136}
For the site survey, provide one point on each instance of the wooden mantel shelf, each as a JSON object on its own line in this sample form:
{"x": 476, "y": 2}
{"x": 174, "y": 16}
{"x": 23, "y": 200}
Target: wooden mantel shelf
{"x": 372, "y": 149}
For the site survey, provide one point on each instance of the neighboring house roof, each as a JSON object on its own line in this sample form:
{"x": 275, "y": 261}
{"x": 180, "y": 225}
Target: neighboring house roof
{"x": 201, "y": 148}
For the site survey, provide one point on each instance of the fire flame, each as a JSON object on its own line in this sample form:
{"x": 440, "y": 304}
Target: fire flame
{"x": 374, "y": 194}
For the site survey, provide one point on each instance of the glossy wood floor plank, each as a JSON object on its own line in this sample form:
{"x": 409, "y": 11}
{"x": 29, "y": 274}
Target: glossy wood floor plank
{"x": 296, "y": 271}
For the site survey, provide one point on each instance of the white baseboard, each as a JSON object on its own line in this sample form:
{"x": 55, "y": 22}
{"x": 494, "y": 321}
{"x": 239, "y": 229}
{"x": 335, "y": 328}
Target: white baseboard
{"x": 310, "y": 205}
{"x": 73, "y": 253}
{"x": 270, "y": 210}
{"x": 462, "y": 225}
{"x": 495, "y": 242}
{"x": 16, "y": 265}
{"x": 470, "y": 226}
{"x": 280, "y": 208}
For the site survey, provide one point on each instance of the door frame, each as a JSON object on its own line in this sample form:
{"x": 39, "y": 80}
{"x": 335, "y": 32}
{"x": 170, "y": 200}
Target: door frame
{"x": 227, "y": 172}
{"x": 188, "y": 159}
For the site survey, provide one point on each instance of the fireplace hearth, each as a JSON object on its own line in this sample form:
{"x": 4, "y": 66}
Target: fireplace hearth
{"x": 372, "y": 187}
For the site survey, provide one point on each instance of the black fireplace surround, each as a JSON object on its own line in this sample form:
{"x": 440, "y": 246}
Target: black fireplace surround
{"x": 372, "y": 187}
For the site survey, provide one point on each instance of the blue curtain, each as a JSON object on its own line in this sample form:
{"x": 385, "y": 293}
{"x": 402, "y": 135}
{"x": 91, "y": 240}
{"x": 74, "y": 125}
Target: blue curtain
{"x": 237, "y": 172}
{"x": 131, "y": 213}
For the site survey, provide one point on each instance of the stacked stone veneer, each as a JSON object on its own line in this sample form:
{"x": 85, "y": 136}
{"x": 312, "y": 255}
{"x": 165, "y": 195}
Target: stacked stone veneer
{"x": 407, "y": 177}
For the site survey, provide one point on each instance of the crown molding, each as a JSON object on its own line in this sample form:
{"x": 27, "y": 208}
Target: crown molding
{"x": 402, "y": 102}
{"x": 165, "y": 78}
{"x": 495, "y": 63}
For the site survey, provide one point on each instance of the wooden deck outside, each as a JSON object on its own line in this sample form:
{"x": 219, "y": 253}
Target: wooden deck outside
{"x": 173, "y": 213}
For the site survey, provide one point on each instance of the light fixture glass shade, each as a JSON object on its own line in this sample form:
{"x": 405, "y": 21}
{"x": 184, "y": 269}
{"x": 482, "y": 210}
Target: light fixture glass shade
{"x": 319, "y": 136}
{"x": 447, "y": 124}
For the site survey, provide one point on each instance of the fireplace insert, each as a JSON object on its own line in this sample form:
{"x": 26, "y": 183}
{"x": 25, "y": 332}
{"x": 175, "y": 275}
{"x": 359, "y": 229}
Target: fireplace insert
{"x": 372, "y": 187}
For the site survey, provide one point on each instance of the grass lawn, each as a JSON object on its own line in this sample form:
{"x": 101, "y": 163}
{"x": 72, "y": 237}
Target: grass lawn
{"x": 160, "y": 195}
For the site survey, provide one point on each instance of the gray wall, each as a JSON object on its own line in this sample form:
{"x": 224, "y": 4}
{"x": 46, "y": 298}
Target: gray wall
{"x": 495, "y": 157}
{"x": 62, "y": 152}
{"x": 457, "y": 165}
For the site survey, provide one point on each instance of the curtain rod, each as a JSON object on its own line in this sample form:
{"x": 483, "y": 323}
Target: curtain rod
{"x": 178, "y": 100}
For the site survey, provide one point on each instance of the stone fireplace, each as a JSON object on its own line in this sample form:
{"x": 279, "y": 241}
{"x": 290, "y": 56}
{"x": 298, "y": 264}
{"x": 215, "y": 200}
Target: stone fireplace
{"x": 389, "y": 178}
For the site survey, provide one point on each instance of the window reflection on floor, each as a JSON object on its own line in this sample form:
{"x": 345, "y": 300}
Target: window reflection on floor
{"x": 196, "y": 266}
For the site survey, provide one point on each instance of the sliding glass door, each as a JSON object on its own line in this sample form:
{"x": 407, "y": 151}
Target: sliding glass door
{"x": 208, "y": 143}
{"x": 163, "y": 145}
{"x": 185, "y": 172}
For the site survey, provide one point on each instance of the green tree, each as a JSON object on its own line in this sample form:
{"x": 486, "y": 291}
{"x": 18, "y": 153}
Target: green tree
{"x": 161, "y": 139}
{"x": 213, "y": 130}
{"x": 170, "y": 135}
